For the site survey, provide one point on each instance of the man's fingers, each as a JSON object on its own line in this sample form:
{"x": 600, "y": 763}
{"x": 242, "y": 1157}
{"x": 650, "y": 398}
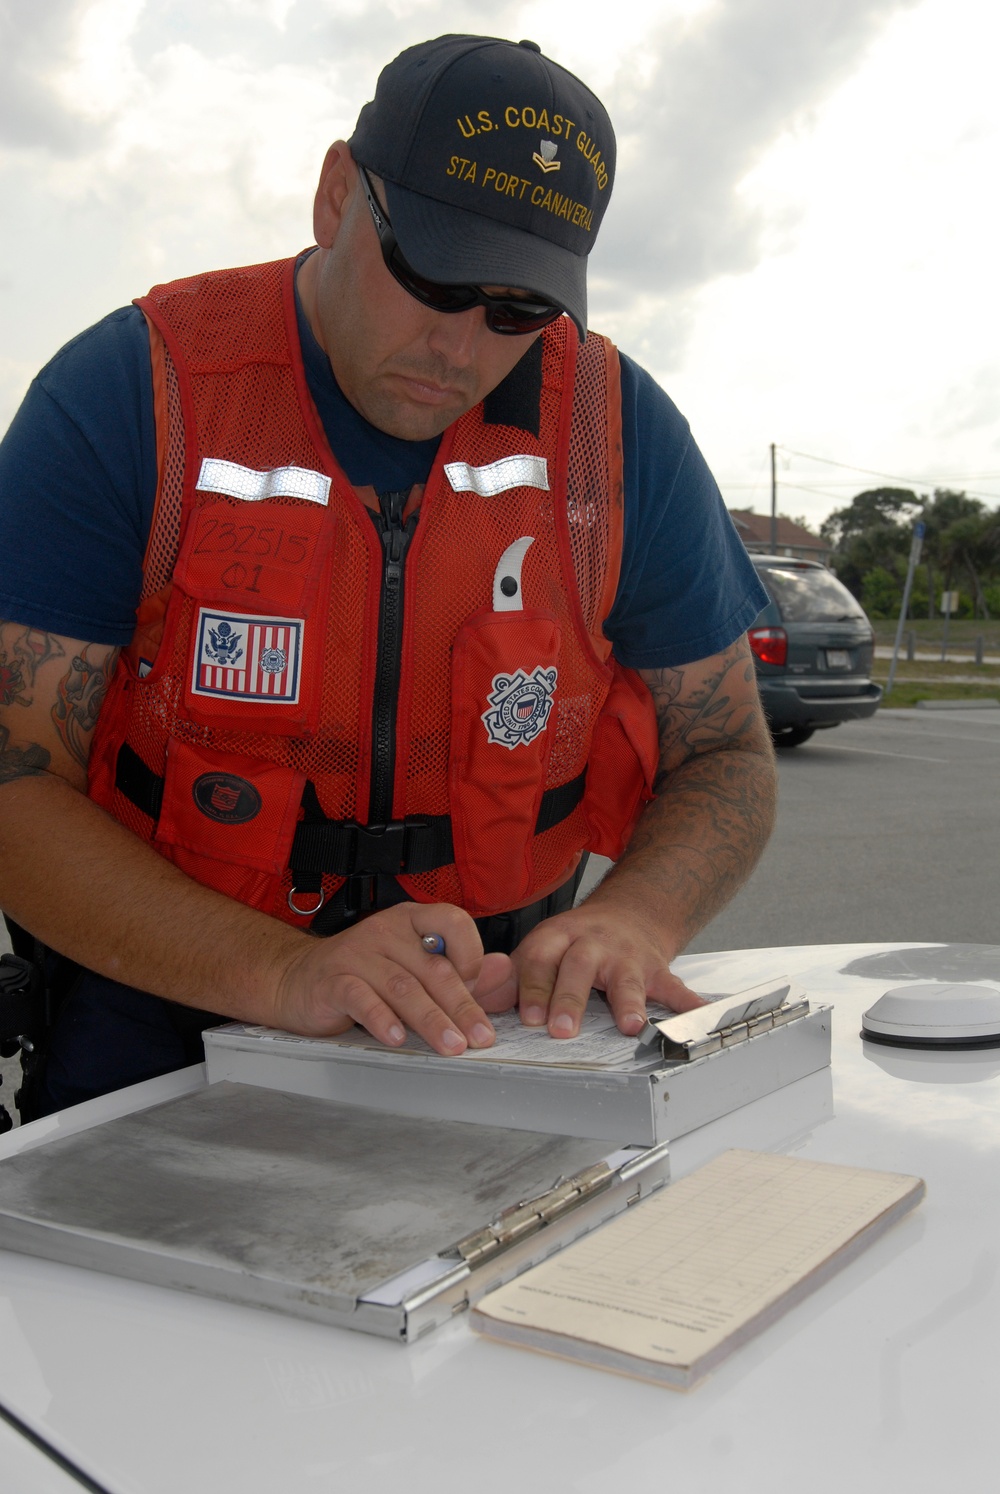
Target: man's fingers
{"x": 537, "y": 974}
{"x": 555, "y": 979}
{"x": 495, "y": 986}
{"x": 671, "y": 992}
{"x": 571, "y": 992}
{"x": 382, "y": 975}
{"x": 626, "y": 995}
{"x": 350, "y": 995}
{"x": 434, "y": 1004}
{"x": 562, "y": 959}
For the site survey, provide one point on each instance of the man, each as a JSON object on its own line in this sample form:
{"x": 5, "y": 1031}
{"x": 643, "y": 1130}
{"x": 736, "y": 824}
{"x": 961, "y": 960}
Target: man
{"x": 361, "y": 536}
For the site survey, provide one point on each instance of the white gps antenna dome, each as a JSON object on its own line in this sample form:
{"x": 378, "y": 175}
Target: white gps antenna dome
{"x": 942, "y": 1016}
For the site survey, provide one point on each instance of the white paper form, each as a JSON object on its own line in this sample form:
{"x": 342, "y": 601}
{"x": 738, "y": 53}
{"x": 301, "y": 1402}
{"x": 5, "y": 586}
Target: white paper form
{"x": 599, "y": 1044}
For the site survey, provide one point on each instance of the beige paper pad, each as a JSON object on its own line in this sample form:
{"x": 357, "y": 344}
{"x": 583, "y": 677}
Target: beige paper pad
{"x": 670, "y": 1288}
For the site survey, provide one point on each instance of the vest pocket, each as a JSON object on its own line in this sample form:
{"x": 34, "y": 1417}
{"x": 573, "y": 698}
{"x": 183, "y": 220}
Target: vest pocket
{"x": 622, "y": 767}
{"x": 226, "y": 809}
{"x": 504, "y": 700}
{"x": 245, "y": 585}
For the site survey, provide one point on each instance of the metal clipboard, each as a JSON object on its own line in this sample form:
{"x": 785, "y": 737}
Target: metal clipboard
{"x": 338, "y": 1213}
{"x": 683, "y": 1072}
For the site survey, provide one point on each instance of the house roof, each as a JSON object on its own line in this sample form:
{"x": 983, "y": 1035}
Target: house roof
{"x": 756, "y": 529}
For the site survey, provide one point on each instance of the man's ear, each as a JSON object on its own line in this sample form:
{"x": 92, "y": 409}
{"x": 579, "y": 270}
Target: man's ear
{"x": 335, "y": 182}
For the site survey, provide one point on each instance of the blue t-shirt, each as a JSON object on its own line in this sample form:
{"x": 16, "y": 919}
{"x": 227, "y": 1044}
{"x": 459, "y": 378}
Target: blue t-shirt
{"x": 78, "y": 483}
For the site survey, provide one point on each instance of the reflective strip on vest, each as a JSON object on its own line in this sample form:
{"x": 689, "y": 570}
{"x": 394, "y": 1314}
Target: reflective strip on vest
{"x": 500, "y": 476}
{"x": 218, "y": 476}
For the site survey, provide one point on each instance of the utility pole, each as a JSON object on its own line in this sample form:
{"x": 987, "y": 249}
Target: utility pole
{"x": 774, "y": 504}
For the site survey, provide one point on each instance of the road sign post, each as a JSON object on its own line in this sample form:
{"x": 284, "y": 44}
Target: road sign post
{"x": 916, "y": 546}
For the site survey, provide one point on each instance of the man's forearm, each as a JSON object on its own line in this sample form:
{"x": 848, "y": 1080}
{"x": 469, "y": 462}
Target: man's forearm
{"x": 91, "y": 890}
{"x": 699, "y": 840}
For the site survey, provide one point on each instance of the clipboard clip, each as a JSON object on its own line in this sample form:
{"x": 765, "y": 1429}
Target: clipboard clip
{"x": 725, "y": 1022}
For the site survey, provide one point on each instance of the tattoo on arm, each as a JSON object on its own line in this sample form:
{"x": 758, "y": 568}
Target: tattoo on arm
{"x": 715, "y": 788}
{"x": 23, "y": 651}
{"x": 81, "y": 693}
{"x": 707, "y": 717}
{"x": 20, "y": 762}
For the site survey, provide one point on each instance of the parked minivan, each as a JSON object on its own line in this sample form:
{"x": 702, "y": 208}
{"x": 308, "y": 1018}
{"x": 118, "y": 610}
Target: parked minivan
{"x": 813, "y": 648}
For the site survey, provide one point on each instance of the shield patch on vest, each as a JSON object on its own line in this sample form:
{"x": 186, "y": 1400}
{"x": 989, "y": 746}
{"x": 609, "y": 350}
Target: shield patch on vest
{"x": 226, "y": 798}
{"x": 521, "y": 705}
{"x": 247, "y": 658}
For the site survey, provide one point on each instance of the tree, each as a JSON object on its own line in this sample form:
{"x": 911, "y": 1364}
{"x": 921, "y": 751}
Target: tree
{"x": 869, "y": 534}
{"x": 871, "y": 537}
{"x": 873, "y": 509}
{"x": 881, "y": 592}
{"x": 951, "y": 523}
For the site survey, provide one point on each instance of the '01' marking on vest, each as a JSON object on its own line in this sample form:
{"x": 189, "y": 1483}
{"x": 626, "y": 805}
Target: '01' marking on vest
{"x": 521, "y": 705}
{"x": 247, "y": 658}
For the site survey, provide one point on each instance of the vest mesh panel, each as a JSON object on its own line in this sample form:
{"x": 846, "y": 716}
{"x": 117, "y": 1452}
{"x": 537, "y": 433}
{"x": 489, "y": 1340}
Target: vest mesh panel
{"x": 587, "y": 492}
{"x": 165, "y": 534}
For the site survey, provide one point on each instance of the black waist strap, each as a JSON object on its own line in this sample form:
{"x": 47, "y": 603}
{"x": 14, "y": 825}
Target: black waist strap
{"x": 343, "y": 848}
{"x": 138, "y": 783}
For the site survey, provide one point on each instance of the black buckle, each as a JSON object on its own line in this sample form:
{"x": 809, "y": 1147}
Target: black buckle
{"x": 382, "y": 848}
{"x": 22, "y": 1005}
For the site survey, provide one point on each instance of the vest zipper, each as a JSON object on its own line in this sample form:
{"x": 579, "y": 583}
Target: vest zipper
{"x": 395, "y": 537}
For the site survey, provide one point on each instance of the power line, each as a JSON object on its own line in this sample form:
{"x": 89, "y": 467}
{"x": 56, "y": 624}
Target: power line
{"x": 833, "y": 483}
{"x": 872, "y": 472}
{"x": 798, "y": 488}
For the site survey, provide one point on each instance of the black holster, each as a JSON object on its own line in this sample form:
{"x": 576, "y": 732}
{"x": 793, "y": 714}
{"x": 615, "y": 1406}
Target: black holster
{"x": 24, "y": 1020}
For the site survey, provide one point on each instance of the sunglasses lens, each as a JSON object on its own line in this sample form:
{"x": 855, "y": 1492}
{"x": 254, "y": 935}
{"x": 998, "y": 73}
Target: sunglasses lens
{"x": 508, "y": 317}
{"x": 431, "y": 292}
{"x": 513, "y": 317}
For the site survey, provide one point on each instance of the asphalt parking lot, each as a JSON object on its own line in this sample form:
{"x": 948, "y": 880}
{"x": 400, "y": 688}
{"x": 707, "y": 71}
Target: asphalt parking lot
{"x": 888, "y": 829}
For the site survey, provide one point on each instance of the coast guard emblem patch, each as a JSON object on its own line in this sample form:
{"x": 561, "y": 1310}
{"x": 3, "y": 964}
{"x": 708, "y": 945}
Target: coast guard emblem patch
{"x": 225, "y": 798}
{"x": 247, "y": 658}
{"x": 521, "y": 705}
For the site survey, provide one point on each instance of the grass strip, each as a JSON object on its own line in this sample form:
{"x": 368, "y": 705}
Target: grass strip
{"x": 908, "y": 692}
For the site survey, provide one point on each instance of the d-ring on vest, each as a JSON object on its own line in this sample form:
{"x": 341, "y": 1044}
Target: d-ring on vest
{"x": 318, "y": 693}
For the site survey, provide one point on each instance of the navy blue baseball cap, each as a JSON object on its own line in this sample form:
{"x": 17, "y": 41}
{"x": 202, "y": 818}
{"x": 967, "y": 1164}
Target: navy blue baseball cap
{"x": 497, "y": 163}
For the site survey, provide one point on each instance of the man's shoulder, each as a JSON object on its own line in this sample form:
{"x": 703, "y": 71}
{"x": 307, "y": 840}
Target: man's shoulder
{"x": 648, "y": 401}
{"x": 648, "y": 412}
{"x": 113, "y": 349}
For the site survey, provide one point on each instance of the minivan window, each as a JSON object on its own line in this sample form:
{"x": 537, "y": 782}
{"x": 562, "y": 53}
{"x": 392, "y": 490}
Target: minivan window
{"x": 808, "y": 595}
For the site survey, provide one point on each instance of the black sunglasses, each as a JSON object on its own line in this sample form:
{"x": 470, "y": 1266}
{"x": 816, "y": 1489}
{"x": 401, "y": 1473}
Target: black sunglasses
{"x": 504, "y": 314}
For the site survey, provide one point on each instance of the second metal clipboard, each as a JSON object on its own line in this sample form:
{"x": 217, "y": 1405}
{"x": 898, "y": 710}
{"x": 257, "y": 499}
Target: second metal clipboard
{"x": 342, "y": 1214}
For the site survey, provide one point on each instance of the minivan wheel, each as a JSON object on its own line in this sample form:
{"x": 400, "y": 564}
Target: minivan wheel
{"x": 792, "y": 736}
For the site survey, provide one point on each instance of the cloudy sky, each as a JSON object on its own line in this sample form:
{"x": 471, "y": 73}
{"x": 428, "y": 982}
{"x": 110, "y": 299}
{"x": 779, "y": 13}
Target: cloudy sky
{"x": 802, "y": 246}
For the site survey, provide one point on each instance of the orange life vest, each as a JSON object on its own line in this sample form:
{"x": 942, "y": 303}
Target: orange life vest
{"x": 310, "y": 696}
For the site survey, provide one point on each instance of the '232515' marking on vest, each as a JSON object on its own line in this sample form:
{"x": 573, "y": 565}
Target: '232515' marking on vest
{"x": 247, "y": 658}
{"x": 521, "y": 705}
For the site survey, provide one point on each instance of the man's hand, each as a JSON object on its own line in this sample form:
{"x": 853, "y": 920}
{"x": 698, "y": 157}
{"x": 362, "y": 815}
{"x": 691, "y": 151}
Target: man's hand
{"x": 379, "y": 975}
{"x": 693, "y": 848}
{"x": 615, "y": 948}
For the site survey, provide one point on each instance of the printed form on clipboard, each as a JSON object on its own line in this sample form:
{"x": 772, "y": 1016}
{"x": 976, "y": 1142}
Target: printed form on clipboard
{"x": 599, "y": 1044}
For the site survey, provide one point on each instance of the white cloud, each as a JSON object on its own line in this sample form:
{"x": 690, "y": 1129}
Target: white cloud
{"x": 871, "y": 335}
{"x": 800, "y": 246}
